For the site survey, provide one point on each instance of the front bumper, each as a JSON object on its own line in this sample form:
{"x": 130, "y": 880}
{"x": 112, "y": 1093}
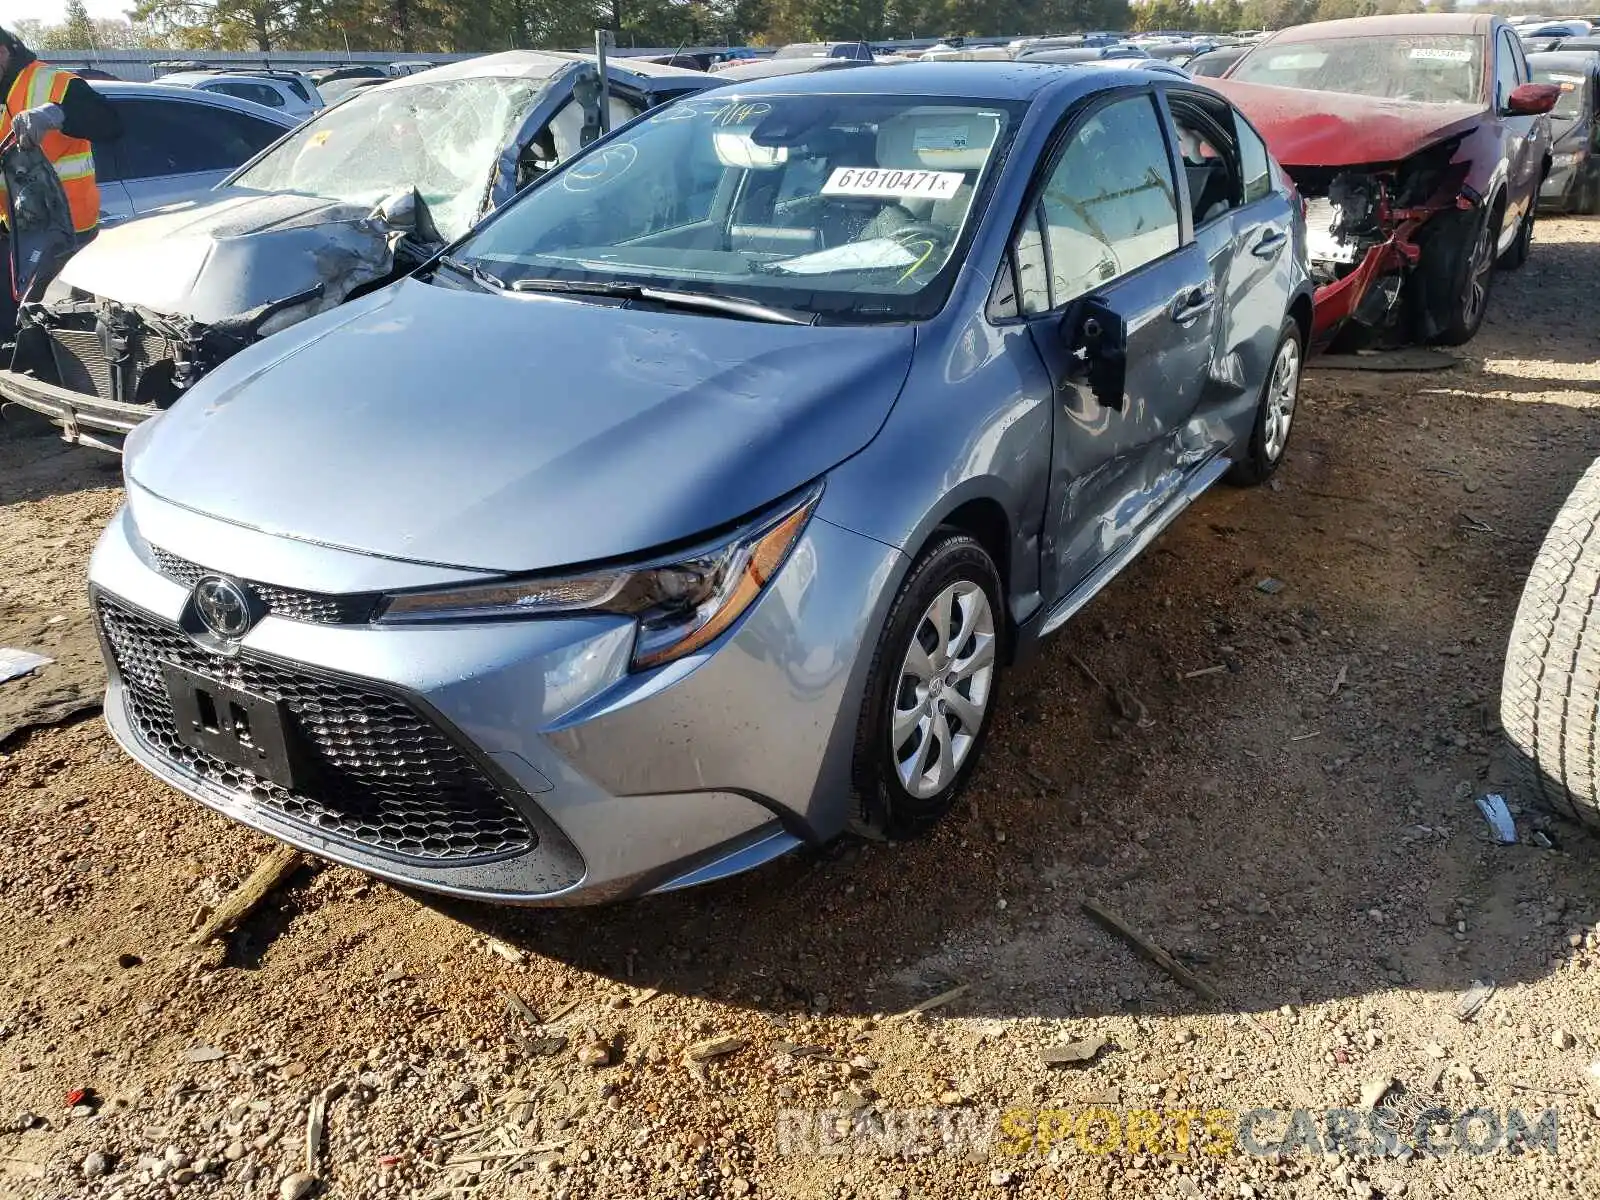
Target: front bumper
{"x": 628, "y": 783}
{"x": 84, "y": 419}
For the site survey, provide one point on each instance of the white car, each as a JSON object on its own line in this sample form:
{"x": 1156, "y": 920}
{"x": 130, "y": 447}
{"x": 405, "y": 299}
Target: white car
{"x": 175, "y": 145}
{"x": 282, "y": 91}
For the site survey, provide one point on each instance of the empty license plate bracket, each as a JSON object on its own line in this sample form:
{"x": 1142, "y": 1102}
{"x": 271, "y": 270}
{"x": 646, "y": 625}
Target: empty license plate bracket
{"x": 243, "y": 730}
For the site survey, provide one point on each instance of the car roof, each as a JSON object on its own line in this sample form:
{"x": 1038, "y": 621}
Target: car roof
{"x": 772, "y": 68}
{"x": 967, "y": 80}
{"x": 184, "y": 95}
{"x": 225, "y": 76}
{"x": 1391, "y": 26}
{"x": 541, "y": 64}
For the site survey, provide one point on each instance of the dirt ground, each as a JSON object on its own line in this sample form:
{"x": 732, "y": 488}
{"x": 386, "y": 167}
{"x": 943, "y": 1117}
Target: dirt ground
{"x": 1297, "y": 826}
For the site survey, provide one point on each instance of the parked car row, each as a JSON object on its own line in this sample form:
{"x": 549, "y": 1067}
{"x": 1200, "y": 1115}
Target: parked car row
{"x": 691, "y": 506}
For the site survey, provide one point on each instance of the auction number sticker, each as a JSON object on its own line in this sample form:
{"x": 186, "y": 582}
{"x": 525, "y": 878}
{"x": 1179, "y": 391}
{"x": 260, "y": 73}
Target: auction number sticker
{"x": 881, "y": 181}
{"x": 1441, "y": 54}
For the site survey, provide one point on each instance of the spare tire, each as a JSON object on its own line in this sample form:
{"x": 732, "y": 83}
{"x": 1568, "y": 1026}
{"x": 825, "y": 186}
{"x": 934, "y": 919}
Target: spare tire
{"x": 1550, "y": 693}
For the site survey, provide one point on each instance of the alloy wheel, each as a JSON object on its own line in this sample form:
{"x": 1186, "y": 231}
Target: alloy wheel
{"x": 1282, "y": 391}
{"x": 946, "y": 683}
{"x": 1482, "y": 265}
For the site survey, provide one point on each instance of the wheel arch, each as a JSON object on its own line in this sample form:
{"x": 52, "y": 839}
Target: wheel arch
{"x": 982, "y": 514}
{"x": 1300, "y": 311}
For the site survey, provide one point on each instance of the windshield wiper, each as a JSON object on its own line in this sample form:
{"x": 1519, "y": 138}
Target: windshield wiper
{"x": 750, "y": 310}
{"x": 474, "y": 272}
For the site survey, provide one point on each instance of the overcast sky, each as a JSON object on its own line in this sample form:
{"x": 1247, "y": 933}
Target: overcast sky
{"x": 51, "y": 10}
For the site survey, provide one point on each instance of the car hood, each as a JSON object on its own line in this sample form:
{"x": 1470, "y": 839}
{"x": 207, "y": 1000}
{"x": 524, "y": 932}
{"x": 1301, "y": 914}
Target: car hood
{"x": 1328, "y": 129}
{"x": 517, "y": 433}
{"x": 233, "y": 253}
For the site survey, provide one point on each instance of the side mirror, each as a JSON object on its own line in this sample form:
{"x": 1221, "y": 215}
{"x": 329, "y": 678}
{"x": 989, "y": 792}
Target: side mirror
{"x": 1532, "y": 99}
{"x": 1095, "y": 337}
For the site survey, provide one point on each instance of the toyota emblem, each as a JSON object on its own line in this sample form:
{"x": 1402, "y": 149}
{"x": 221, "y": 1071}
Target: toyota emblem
{"x": 223, "y": 607}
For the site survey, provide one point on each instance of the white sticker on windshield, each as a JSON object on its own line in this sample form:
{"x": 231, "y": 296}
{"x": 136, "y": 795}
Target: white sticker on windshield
{"x": 940, "y": 138}
{"x": 1441, "y": 54}
{"x": 882, "y": 181}
{"x": 871, "y": 255}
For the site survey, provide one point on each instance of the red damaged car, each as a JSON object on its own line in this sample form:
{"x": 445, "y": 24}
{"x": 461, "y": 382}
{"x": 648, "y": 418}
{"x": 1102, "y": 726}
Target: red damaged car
{"x": 1419, "y": 145}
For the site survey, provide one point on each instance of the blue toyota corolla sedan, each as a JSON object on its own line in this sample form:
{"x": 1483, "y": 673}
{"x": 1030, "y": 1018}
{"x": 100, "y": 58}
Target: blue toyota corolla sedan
{"x": 692, "y": 508}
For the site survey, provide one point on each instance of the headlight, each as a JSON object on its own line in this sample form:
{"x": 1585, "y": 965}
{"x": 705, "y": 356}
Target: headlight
{"x": 680, "y": 605}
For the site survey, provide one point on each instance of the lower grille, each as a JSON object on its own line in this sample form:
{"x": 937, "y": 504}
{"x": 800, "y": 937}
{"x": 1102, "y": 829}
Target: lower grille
{"x": 83, "y": 367}
{"x": 318, "y": 608}
{"x": 81, "y": 362}
{"x": 383, "y": 776}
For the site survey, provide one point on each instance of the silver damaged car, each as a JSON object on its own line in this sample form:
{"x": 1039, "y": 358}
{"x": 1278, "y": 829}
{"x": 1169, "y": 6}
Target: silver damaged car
{"x": 691, "y": 509}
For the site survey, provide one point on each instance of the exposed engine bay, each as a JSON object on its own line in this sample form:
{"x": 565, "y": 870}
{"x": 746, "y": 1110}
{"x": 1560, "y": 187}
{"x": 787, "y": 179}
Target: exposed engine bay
{"x": 1362, "y": 228}
{"x": 346, "y": 203}
{"x": 228, "y": 275}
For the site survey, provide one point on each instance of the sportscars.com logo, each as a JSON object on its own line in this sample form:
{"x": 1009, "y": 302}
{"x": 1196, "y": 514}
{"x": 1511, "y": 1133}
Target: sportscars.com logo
{"x": 1379, "y": 1132}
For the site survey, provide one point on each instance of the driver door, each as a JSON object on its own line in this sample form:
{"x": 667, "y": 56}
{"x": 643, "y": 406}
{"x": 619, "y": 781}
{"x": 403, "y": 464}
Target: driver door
{"x": 1121, "y": 305}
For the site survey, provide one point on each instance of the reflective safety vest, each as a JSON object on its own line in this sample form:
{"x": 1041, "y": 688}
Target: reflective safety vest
{"x": 73, "y": 158}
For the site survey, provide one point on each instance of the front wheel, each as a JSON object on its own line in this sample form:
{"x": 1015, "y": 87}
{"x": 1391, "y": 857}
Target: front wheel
{"x": 1269, "y": 436}
{"x": 1456, "y": 274}
{"x": 930, "y": 691}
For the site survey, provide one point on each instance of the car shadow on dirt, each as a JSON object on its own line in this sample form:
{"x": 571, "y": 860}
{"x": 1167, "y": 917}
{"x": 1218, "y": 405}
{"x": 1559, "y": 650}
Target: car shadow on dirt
{"x": 1285, "y": 801}
{"x": 35, "y": 465}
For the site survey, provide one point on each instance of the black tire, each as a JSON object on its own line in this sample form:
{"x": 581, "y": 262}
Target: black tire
{"x": 1458, "y": 249}
{"x": 885, "y": 808}
{"x": 1550, "y": 693}
{"x": 1586, "y": 202}
{"x": 1264, "y": 454}
{"x": 1516, "y": 255}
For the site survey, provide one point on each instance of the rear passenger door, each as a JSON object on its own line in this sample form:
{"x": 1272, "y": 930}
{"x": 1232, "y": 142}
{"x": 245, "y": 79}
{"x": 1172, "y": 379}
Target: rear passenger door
{"x": 1104, "y": 248}
{"x": 1243, "y": 223}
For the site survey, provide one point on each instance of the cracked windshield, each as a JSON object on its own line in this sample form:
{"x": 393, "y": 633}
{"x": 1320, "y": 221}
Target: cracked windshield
{"x": 849, "y": 206}
{"x": 440, "y": 138}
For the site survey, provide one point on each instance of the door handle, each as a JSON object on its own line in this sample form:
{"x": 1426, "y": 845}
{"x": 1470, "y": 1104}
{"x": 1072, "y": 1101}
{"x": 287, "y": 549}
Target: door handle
{"x": 1191, "y": 302}
{"x": 1268, "y": 245}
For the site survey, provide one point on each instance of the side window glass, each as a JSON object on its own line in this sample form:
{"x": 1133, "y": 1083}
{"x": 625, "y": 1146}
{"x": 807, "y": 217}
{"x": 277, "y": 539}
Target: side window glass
{"x": 257, "y": 92}
{"x": 1209, "y": 168}
{"x": 163, "y": 137}
{"x": 107, "y": 162}
{"x": 1505, "y": 73}
{"x": 1257, "y": 167}
{"x": 1524, "y": 71}
{"x": 1111, "y": 203}
{"x": 1033, "y": 272}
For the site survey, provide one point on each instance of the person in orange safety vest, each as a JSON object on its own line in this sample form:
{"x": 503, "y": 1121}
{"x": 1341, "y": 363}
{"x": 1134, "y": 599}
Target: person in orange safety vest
{"x": 55, "y": 111}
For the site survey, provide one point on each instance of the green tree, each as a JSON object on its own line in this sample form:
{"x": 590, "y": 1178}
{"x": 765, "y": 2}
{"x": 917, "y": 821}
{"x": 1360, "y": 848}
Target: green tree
{"x": 1164, "y": 14}
{"x": 224, "y": 24}
{"x": 78, "y": 29}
